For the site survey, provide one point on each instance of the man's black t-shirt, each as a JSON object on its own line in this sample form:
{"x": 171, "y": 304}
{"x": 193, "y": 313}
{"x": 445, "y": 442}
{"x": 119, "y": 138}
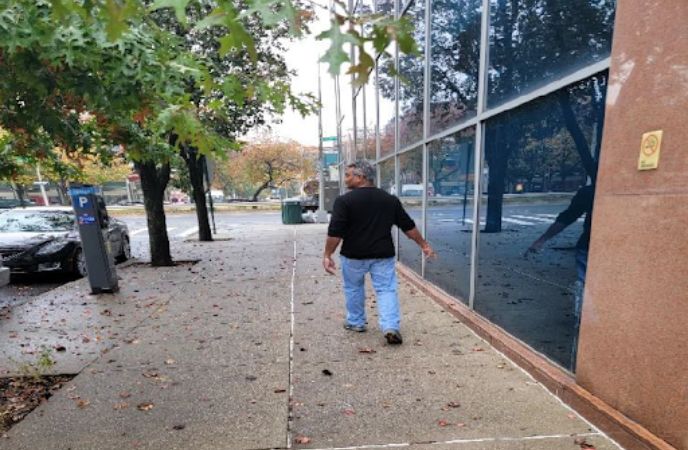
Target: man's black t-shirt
{"x": 363, "y": 218}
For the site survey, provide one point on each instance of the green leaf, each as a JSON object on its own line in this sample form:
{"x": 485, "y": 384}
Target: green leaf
{"x": 335, "y": 56}
{"x": 363, "y": 69}
{"x": 179, "y": 7}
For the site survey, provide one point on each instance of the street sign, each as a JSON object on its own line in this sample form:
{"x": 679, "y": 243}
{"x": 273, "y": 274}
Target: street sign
{"x": 329, "y": 139}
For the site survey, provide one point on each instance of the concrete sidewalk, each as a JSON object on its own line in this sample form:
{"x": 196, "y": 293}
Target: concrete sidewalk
{"x": 246, "y": 350}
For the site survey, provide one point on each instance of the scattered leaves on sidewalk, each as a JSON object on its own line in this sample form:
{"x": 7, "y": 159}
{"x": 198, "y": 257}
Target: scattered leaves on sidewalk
{"x": 147, "y": 406}
{"x": 366, "y": 350}
{"x": 19, "y": 396}
{"x": 302, "y": 440}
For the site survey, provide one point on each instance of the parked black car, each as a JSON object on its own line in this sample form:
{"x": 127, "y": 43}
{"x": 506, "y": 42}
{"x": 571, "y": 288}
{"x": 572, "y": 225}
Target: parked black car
{"x": 47, "y": 239}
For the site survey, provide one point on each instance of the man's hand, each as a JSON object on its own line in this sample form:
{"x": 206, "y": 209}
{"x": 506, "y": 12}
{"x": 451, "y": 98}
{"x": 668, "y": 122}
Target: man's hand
{"x": 428, "y": 251}
{"x": 535, "y": 247}
{"x": 329, "y": 265}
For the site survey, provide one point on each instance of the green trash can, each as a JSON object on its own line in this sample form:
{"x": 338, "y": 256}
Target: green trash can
{"x": 291, "y": 212}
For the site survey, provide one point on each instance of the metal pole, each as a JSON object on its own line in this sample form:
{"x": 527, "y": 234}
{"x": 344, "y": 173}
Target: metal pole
{"x": 321, "y": 216}
{"x": 40, "y": 183}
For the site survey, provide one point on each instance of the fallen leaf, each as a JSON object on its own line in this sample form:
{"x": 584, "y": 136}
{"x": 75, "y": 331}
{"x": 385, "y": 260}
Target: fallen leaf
{"x": 442, "y": 423}
{"x": 366, "y": 350}
{"x": 60, "y": 348}
{"x": 302, "y": 440}
{"x": 349, "y": 412}
{"x": 478, "y": 349}
{"x": 150, "y": 374}
{"x": 124, "y": 395}
{"x": 460, "y": 424}
{"x": 82, "y": 403}
{"x": 179, "y": 427}
{"x": 280, "y": 390}
{"x": 121, "y": 405}
{"x": 170, "y": 361}
{"x": 453, "y": 404}
{"x": 583, "y": 444}
{"x": 145, "y": 406}
{"x": 327, "y": 372}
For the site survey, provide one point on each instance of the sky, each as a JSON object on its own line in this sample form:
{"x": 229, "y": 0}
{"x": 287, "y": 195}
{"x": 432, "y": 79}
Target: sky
{"x": 302, "y": 56}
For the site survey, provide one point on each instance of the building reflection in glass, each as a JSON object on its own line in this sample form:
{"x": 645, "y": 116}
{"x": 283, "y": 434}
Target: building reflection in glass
{"x": 449, "y": 214}
{"x": 536, "y": 158}
{"x": 411, "y": 195}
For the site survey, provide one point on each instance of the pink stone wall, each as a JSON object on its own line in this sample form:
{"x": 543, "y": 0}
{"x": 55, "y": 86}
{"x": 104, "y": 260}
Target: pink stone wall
{"x": 633, "y": 350}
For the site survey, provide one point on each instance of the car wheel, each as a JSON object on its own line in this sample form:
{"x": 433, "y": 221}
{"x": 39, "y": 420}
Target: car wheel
{"x": 80, "y": 263}
{"x": 125, "y": 252}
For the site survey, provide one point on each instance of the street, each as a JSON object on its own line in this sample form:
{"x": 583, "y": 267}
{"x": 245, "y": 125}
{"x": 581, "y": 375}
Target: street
{"x": 179, "y": 227}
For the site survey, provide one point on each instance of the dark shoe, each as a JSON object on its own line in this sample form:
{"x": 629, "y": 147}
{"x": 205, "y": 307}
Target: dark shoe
{"x": 393, "y": 337}
{"x": 357, "y": 328}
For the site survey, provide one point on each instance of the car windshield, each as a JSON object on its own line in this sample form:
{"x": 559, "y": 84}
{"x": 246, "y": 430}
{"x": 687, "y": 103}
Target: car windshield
{"x": 35, "y": 221}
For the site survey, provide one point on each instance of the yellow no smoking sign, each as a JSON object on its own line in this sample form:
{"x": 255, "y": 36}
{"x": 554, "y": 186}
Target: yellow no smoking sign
{"x": 649, "y": 150}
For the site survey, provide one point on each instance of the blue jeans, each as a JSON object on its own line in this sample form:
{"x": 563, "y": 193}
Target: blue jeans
{"x": 384, "y": 276}
{"x": 581, "y": 269}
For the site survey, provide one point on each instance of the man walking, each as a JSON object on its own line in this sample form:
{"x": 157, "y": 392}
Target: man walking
{"x": 363, "y": 219}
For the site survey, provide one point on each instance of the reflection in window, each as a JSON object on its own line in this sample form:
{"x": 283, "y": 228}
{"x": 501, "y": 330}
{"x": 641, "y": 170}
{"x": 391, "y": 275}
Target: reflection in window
{"x": 365, "y": 120}
{"x": 536, "y": 158}
{"x": 534, "y": 42}
{"x": 454, "y": 62}
{"x": 386, "y": 169}
{"x": 450, "y": 212}
{"x": 411, "y": 76}
{"x": 411, "y": 195}
{"x": 386, "y": 97}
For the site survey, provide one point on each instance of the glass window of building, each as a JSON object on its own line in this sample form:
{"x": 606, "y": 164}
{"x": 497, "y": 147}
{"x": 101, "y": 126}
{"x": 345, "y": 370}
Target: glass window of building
{"x": 387, "y": 104}
{"x": 535, "y": 42}
{"x": 411, "y": 81}
{"x": 454, "y": 62}
{"x": 411, "y": 195}
{"x": 449, "y": 214}
{"x": 538, "y": 186}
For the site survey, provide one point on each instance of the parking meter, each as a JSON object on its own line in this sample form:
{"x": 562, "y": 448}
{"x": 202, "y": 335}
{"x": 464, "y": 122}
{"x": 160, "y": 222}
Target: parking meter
{"x": 92, "y": 219}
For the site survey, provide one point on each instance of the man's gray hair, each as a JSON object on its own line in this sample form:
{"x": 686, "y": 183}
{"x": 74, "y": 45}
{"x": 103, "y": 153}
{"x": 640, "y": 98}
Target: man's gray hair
{"x": 363, "y": 168}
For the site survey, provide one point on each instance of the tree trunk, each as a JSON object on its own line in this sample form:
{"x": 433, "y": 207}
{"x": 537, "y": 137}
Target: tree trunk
{"x": 577, "y": 135}
{"x": 153, "y": 183}
{"x": 196, "y": 165}
{"x": 260, "y": 189}
{"x": 497, "y": 156}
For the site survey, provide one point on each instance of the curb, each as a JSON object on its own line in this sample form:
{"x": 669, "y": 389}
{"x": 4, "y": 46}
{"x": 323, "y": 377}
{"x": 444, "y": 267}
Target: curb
{"x": 560, "y": 383}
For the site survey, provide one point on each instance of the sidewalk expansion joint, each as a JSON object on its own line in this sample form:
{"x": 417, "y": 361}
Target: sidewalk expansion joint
{"x": 292, "y": 320}
{"x": 462, "y": 441}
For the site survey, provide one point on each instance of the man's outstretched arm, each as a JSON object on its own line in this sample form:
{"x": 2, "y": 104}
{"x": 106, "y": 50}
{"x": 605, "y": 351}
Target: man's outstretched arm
{"x": 331, "y": 245}
{"x": 415, "y": 236}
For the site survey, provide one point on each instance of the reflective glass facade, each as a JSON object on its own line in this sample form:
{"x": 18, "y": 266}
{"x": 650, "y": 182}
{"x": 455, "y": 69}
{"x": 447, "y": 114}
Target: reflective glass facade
{"x": 519, "y": 123}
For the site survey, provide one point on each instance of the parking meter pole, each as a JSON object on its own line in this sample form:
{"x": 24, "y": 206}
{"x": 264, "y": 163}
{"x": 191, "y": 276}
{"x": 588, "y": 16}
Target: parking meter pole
{"x": 92, "y": 220}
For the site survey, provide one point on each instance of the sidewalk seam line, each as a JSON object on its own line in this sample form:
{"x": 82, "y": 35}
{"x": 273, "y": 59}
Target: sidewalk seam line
{"x": 464, "y": 441}
{"x": 291, "y": 347}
